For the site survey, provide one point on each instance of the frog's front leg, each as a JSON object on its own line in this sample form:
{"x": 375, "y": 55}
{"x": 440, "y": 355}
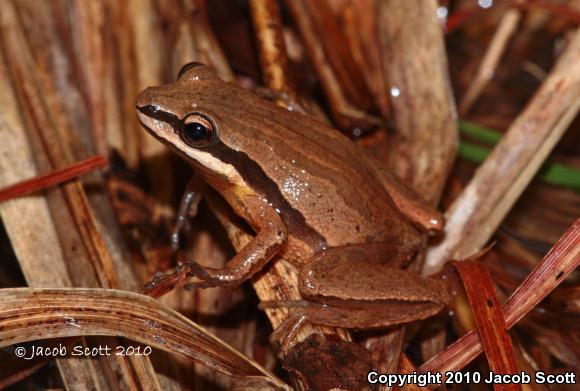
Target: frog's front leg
{"x": 346, "y": 287}
{"x": 251, "y": 259}
{"x": 187, "y": 209}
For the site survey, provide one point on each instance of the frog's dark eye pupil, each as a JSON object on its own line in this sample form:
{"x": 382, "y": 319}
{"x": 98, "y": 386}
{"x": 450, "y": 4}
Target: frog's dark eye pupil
{"x": 195, "y": 131}
{"x": 198, "y": 131}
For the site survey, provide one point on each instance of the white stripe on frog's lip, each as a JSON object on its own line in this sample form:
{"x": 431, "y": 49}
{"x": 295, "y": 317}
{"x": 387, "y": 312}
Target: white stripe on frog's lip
{"x": 165, "y": 133}
{"x": 213, "y": 164}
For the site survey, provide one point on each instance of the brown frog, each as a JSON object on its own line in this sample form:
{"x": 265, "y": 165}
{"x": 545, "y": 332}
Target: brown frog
{"x": 311, "y": 196}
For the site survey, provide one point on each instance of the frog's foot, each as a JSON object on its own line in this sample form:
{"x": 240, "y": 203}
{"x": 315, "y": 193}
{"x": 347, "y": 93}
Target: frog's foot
{"x": 164, "y": 283}
{"x": 286, "y": 333}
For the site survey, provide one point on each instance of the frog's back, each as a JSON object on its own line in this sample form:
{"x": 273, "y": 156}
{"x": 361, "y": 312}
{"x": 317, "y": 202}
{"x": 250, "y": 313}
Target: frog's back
{"x": 328, "y": 193}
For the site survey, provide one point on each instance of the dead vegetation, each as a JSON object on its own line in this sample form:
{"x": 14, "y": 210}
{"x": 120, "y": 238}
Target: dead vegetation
{"x": 78, "y": 250}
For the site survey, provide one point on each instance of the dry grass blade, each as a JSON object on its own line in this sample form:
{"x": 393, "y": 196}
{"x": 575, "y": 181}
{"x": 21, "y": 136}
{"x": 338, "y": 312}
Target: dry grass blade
{"x": 486, "y": 70}
{"x": 26, "y": 313}
{"x": 268, "y": 26}
{"x": 52, "y": 178}
{"x": 345, "y": 90}
{"x": 360, "y": 24}
{"x": 423, "y": 108}
{"x": 490, "y": 322}
{"x": 555, "y": 267}
{"x": 406, "y": 366}
{"x": 51, "y": 134}
{"x": 478, "y": 211}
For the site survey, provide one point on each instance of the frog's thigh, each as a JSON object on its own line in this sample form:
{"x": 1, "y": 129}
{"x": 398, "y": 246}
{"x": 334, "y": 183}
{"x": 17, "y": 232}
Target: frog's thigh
{"x": 356, "y": 272}
{"x": 368, "y": 315}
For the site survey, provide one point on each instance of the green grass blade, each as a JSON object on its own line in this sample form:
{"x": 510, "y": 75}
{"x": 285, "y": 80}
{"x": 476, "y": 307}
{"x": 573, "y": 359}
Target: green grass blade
{"x": 552, "y": 173}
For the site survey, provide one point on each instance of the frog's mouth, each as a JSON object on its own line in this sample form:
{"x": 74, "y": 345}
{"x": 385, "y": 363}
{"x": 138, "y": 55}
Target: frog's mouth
{"x": 161, "y": 125}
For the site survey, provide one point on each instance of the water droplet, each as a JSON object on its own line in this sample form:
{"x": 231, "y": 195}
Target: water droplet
{"x": 395, "y": 92}
{"x": 442, "y": 13}
{"x": 485, "y": 3}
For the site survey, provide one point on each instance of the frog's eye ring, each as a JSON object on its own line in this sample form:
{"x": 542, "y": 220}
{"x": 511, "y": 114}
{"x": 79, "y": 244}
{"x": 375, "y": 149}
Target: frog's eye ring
{"x": 197, "y": 131}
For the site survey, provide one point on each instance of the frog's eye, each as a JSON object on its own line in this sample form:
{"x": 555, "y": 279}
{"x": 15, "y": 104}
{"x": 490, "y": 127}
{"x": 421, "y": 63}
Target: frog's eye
{"x": 197, "y": 131}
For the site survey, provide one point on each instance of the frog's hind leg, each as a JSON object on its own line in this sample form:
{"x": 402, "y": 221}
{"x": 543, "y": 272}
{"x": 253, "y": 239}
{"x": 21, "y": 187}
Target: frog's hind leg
{"x": 355, "y": 286}
{"x": 362, "y": 315}
{"x": 408, "y": 201}
{"x": 365, "y": 272}
{"x": 285, "y": 334}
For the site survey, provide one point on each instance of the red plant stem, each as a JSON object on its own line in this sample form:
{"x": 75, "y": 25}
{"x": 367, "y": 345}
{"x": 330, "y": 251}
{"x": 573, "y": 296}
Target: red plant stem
{"x": 52, "y": 178}
{"x": 562, "y": 259}
{"x": 461, "y": 17}
{"x": 491, "y": 326}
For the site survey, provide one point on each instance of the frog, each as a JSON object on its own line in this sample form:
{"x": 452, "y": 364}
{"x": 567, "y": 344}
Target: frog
{"x": 310, "y": 195}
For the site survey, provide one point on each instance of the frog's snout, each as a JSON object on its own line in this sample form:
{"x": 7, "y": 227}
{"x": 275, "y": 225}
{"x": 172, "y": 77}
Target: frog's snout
{"x": 145, "y": 98}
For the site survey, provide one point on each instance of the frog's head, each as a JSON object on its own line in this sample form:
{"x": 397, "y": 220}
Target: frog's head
{"x": 189, "y": 115}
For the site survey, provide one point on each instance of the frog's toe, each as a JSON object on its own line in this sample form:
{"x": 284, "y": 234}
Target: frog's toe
{"x": 285, "y": 334}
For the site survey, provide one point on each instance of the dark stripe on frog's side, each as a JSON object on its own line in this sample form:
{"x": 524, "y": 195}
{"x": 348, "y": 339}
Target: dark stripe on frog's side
{"x": 253, "y": 174}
